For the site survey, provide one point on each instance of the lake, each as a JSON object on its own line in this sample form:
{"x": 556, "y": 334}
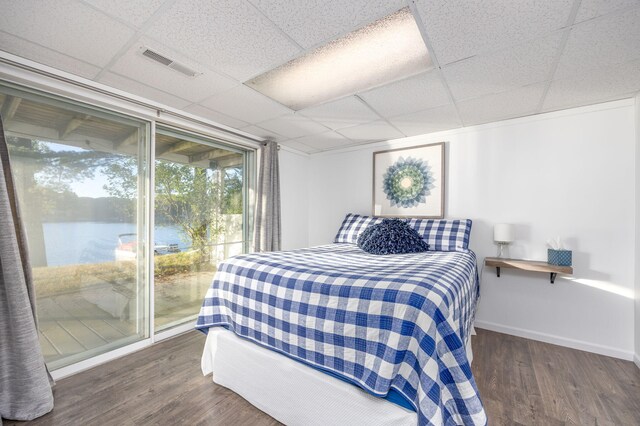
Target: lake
{"x": 93, "y": 242}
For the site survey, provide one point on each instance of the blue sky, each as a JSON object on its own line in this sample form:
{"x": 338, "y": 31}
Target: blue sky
{"x": 93, "y": 188}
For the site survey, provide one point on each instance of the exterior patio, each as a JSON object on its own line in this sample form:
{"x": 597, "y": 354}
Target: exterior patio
{"x": 100, "y": 317}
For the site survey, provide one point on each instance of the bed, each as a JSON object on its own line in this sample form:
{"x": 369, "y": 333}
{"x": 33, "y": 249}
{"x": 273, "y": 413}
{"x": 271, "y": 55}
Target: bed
{"x": 334, "y": 335}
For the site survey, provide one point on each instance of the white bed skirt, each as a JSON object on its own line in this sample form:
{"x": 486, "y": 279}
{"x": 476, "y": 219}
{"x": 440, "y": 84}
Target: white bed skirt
{"x": 291, "y": 392}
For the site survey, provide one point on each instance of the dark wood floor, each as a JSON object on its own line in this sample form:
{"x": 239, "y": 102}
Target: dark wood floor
{"x": 524, "y": 382}
{"x": 521, "y": 382}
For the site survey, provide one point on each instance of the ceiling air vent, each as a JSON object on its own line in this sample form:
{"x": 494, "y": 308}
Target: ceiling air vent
{"x": 181, "y": 68}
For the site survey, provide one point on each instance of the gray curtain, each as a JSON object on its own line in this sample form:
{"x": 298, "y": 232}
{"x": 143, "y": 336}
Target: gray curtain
{"x": 25, "y": 383}
{"x": 266, "y": 233}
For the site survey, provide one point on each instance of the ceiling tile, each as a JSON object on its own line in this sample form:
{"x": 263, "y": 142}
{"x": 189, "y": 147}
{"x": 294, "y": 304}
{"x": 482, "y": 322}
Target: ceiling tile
{"x": 431, "y": 120}
{"x": 325, "y": 141}
{"x": 374, "y": 131}
{"x": 216, "y": 116}
{"x": 245, "y": 104}
{"x": 502, "y": 106}
{"x": 413, "y": 94}
{"x": 67, "y": 26}
{"x": 310, "y": 22}
{"x": 461, "y": 29}
{"x": 43, "y": 55}
{"x": 504, "y": 70}
{"x": 134, "y": 13}
{"x": 136, "y": 88}
{"x": 613, "y": 39}
{"x": 590, "y": 9}
{"x": 617, "y": 82}
{"x": 263, "y": 133}
{"x": 293, "y": 126}
{"x": 292, "y": 143}
{"x": 342, "y": 113}
{"x": 135, "y": 66}
{"x": 228, "y": 35}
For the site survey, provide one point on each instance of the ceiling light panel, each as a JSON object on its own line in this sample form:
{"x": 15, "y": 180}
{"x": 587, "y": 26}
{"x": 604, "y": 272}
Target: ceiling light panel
{"x": 387, "y": 50}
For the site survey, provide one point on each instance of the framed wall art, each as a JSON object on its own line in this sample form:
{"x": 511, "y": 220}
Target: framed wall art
{"x": 409, "y": 182}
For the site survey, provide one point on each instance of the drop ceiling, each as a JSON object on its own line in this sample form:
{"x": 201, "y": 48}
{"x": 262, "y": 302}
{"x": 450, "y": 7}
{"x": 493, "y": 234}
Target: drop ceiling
{"x": 493, "y": 60}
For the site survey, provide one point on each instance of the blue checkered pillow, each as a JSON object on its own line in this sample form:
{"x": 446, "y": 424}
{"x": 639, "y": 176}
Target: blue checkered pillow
{"x": 440, "y": 234}
{"x": 444, "y": 234}
{"x": 352, "y": 227}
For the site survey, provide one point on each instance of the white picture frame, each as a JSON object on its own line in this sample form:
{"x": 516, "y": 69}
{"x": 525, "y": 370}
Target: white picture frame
{"x": 409, "y": 182}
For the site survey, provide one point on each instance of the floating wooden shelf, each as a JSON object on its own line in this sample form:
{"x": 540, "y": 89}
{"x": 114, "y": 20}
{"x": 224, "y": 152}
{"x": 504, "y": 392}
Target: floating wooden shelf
{"x": 528, "y": 265}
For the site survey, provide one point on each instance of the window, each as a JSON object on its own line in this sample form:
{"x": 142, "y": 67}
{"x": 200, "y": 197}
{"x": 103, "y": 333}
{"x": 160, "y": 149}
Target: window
{"x": 199, "y": 221}
{"x": 84, "y": 185}
{"x": 68, "y": 161}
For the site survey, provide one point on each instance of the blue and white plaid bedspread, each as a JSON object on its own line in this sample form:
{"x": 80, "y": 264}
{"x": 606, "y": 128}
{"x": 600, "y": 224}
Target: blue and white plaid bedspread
{"x": 381, "y": 322}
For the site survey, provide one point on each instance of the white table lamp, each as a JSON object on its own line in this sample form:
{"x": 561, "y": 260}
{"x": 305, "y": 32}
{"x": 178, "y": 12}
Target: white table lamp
{"x": 503, "y": 235}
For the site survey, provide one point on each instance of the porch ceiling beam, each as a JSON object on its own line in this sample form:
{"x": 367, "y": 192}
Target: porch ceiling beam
{"x": 176, "y": 147}
{"x": 226, "y": 161}
{"x": 72, "y": 125}
{"x": 10, "y": 106}
{"x": 209, "y": 155}
{"x": 130, "y": 139}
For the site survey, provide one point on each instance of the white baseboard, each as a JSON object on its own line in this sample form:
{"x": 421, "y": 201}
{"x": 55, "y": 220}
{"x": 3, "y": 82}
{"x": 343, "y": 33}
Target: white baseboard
{"x": 558, "y": 340}
{"x": 636, "y": 359}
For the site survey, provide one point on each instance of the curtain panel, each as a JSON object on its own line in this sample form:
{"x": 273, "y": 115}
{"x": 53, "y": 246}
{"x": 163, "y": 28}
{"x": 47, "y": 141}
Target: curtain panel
{"x": 25, "y": 383}
{"x": 266, "y": 233}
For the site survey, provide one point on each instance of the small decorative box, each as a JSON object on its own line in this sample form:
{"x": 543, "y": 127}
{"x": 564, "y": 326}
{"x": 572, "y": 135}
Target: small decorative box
{"x": 559, "y": 257}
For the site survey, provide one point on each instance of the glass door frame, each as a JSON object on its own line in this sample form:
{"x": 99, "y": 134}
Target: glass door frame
{"x": 249, "y": 183}
{"x": 140, "y": 288}
{"x": 25, "y": 75}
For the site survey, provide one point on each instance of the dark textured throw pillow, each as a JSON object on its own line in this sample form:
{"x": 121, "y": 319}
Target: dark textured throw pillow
{"x": 392, "y": 236}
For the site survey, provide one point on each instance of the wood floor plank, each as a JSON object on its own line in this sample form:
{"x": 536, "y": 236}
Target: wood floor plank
{"x": 63, "y": 342}
{"x": 126, "y": 327}
{"x": 75, "y": 306}
{"x": 83, "y": 334}
{"x": 549, "y": 372}
{"x": 70, "y": 324}
{"x": 104, "y": 330}
{"x": 47, "y": 348}
{"x": 521, "y": 382}
{"x": 79, "y": 308}
{"x": 49, "y": 309}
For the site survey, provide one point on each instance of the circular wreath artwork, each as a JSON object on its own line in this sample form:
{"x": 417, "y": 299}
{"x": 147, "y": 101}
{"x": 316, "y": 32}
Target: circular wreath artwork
{"x": 407, "y": 182}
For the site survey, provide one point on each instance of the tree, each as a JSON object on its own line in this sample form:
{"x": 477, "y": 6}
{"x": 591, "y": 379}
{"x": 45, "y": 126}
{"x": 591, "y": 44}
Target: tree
{"x": 232, "y": 191}
{"x": 191, "y": 198}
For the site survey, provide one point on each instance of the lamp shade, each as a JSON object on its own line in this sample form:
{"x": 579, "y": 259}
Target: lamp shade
{"x": 503, "y": 233}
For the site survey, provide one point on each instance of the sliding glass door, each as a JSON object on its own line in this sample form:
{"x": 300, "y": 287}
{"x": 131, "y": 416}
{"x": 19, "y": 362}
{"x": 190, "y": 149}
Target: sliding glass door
{"x": 199, "y": 220}
{"x": 85, "y": 182}
{"x": 80, "y": 177}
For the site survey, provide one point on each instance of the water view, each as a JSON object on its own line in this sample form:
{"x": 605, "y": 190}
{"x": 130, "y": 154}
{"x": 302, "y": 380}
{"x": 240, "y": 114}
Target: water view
{"x": 69, "y": 243}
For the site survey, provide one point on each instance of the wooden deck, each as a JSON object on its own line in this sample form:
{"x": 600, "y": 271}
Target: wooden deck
{"x": 69, "y": 325}
{"x": 76, "y": 325}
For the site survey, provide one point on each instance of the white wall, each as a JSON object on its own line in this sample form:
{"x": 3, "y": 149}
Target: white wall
{"x": 294, "y": 179}
{"x": 637, "y": 261}
{"x": 569, "y": 173}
